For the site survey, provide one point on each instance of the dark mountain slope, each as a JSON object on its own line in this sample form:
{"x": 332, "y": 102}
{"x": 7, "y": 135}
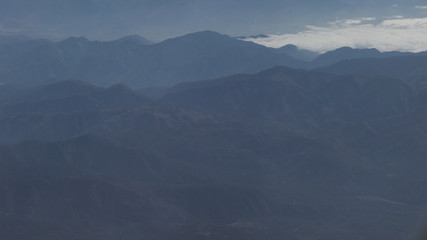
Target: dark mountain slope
{"x": 406, "y": 67}
{"x": 294, "y": 95}
{"x": 77, "y": 208}
{"x": 82, "y": 181}
{"x": 242, "y": 157}
{"x": 62, "y": 110}
{"x": 364, "y": 116}
{"x": 87, "y": 156}
{"x": 70, "y": 96}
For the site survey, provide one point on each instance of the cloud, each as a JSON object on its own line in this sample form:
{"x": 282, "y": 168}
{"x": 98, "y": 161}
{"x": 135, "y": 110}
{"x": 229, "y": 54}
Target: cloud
{"x": 421, "y": 7}
{"x": 393, "y": 34}
{"x": 350, "y": 22}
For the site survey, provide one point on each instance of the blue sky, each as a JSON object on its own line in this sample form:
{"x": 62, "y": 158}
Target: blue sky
{"x": 285, "y": 20}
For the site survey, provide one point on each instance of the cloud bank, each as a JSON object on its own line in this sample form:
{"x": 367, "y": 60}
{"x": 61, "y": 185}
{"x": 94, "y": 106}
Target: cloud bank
{"x": 393, "y": 34}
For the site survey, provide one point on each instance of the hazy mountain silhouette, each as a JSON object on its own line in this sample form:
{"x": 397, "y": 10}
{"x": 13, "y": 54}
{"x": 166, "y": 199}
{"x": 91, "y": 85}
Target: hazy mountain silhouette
{"x": 347, "y": 53}
{"x": 204, "y": 55}
{"x": 134, "y": 38}
{"x": 130, "y": 60}
{"x": 133, "y": 61}
{"x": 295, "y": 52}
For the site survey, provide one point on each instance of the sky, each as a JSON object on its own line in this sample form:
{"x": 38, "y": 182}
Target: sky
{"x": 317, "y": 25}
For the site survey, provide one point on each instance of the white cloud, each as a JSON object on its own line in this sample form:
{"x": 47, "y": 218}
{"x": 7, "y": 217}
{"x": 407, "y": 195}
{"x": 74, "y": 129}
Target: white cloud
{"x": 350, "y": 22}
{"x": 421, "y": 7}
{"x": 401, "y": 34}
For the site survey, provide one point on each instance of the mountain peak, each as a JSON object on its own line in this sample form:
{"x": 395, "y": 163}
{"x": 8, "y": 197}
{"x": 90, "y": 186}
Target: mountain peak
{"x": 350, "y": 49}
{"x": 290, "y": 47}
{"x": 345, "y": 53}
{"x": 207, "y": 34}
{"x": 74, "y": 41}
{"x": 297, "y": 53}
{"x": 134, "y": 38}
{"x": 203, "y": 36}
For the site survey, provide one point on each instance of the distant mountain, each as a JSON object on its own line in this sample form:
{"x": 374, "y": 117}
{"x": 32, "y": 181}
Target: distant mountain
{"x": 138, "y": 63}
{"x": 64, "y": 109}
{"x": 347, "y": 53}
{"x": 295, "y": 52}
{"x": 134, "y": 61}
{"x": 135, "y": 38}
{"x": 55, "y": 98}
{"x": 204, "y": 55}
{"x": 410, "y": 67}
{"x": 197, "y": 56}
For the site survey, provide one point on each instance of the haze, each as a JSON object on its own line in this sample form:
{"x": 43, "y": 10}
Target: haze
{"x": 235, "y": 120}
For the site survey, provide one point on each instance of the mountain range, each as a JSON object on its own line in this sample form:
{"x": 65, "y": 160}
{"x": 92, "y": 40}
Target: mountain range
{"x": 282, "y": 153}
{"x": 139, "y": 63}
{"x": 196, "y": 56}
